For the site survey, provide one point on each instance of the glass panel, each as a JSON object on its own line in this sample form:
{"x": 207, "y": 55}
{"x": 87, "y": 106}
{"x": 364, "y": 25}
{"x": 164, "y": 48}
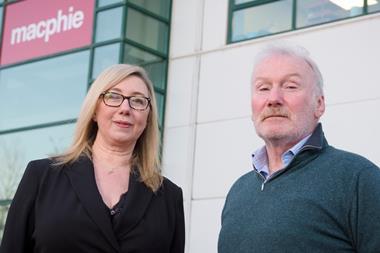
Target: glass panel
{"x": 243, "y": 1}
{"x": 313, "y": 12}
{"x": 159, "y": 7}
{"x": 17, "y": 149}
{"x": 133, "y": 55}
{"x": 1, "y": 19}
{"x": 102, "y": 3}
{"x": 44, "y": 91}
{"x": 157, "y": 73}
{"x": 108, "y": 24}
{"x": 154, "y": 65}
{"x": 105, "y": 56}
{"x": 373, "y": 5}
{"x": 160, "y": 107}
{"x": 147, "y": 31}
{"x": 262, "y": 20}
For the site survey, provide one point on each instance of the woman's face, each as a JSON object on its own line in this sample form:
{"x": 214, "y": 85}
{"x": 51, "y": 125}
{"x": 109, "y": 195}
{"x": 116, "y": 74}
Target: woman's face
{"x": 122, "y": 126}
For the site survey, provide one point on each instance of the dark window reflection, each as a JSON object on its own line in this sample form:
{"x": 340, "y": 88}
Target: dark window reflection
{"x": 45, "y": 91}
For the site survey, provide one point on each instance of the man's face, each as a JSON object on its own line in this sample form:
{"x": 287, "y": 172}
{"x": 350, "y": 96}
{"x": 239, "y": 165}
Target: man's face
{"x": 286, "y": 104}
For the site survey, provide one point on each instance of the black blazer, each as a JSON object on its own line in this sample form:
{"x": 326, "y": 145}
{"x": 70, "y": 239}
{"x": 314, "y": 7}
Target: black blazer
{"x": 59, "y": 209}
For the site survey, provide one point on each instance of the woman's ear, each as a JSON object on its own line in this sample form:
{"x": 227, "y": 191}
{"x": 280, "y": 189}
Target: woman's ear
{"x": 94, "y": 117}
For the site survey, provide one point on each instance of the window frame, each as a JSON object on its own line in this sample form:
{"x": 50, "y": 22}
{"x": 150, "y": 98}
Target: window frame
{"x": 232, "y": 8}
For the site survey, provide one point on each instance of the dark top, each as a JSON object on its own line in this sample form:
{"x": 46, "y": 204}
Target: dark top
{"x": 59, "y": 209}
{"x": 326, "y": 200}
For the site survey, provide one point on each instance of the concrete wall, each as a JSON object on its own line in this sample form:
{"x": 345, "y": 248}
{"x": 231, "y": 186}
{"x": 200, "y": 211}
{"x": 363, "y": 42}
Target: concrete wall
{"x": 209, "y": 136}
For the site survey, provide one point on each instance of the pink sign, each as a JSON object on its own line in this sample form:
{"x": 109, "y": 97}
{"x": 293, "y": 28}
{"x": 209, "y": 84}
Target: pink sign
{"x": 36, "y": 28}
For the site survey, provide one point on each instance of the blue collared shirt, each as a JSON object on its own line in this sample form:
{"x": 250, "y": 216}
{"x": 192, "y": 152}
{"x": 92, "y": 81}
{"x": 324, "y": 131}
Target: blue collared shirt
{"x": 260, "y": 158}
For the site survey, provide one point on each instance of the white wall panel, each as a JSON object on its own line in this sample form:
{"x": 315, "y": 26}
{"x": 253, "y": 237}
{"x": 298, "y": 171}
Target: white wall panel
{"x": 223, "y": 154}
{"x": 177, "y": 156}
{"x": 224, "y": 86}
{"x": 215, "y": 24}
{"x": 205, "y": 225}
{"x": 186, "y": 27}
{"x": 181, "y": 91}
{"x": 355, "y": 127}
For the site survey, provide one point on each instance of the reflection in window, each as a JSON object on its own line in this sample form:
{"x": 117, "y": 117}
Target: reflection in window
{"x": 256, "y": 18}
{"x": 373, "y": 5}
{"x": 133, "y": 55}
{"x": 104, "y": 57}
{"x": 159, "y": 7}
{"x": 17, "y": 149}
{"x": 44, "y": 91}
{"x": 1, "y": 19}
{"x": 262, "y": 20}
{"x": 102, "y": 3}
{"x": 243, "y": 1}
{"x": 160, "y": 107}
{"x": 108, "y": 24}
{"x": 320, "y": 11}
{"x": 147, "y": 31}
{"x": 154, "y": 65}
{"x": 157, "y": 73}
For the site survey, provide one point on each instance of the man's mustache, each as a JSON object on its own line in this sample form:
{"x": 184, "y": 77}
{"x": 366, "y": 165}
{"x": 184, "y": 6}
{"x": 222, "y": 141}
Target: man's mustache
{"x": 274, "y": 112}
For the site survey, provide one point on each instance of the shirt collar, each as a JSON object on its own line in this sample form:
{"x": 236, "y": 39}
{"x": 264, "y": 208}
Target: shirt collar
{"x": 260, "y": 158}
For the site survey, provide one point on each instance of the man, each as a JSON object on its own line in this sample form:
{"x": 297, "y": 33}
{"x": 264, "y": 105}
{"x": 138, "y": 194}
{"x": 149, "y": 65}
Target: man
{"x": 303, "y": 195}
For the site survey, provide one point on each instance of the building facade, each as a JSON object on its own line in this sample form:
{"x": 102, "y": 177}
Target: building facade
{"x": 209, "y": 136}
{"x": 199, "y": 55}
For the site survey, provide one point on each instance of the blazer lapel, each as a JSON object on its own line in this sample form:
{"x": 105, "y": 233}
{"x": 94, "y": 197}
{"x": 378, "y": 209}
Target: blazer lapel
{"x": 82, "y": 178}
{"x": 138, "y": 199}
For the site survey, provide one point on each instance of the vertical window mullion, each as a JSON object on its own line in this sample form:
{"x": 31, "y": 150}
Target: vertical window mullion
{"x": 294, "y": 16}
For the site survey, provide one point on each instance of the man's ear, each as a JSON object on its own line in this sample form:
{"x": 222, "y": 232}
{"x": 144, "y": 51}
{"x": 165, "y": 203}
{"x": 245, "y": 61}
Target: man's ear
{"x": 320, "y": 109}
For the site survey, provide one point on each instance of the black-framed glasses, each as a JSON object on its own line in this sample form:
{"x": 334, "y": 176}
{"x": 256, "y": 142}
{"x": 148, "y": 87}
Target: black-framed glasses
{"x": 113, "y": 99}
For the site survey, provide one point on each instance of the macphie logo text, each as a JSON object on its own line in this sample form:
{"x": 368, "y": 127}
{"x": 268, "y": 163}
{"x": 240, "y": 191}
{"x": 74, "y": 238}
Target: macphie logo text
{"x": 44, "y": 29}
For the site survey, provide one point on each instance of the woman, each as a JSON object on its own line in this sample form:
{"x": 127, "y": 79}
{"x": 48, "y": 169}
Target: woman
{"x": 106, "y": 193}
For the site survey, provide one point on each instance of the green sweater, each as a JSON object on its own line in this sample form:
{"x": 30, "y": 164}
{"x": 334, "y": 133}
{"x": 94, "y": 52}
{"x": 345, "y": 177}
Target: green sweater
{"x": 325, "y": 200}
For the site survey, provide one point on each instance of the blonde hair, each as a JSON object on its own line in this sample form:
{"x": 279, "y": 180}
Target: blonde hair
{"x": 145, "y": 155}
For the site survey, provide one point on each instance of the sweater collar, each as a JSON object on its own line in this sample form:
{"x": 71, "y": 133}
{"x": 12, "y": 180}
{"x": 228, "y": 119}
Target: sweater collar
{"x": 317, "y": 139}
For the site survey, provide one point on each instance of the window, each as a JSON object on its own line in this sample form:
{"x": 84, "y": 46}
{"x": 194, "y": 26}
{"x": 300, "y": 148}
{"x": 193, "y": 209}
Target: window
{"x": 255, "y": 22}
{"x": 105, "y": 56}
{"x": 1, "y": 17}
{"x": 147, "y": 31}
{"x": 109, "y": 23}
{"x": 102, "y": 3}
{"x": 161, "y": 8}
{"x": 316, "y": 12}
{"x": 256, "y": 18}
{"x": 1, "y": 20}
{"x": 37, "y": 93}
{"x": 373, "y": 6}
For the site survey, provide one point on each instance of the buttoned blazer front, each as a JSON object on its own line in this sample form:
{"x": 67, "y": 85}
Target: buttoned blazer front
{"x": 59, "y": 209}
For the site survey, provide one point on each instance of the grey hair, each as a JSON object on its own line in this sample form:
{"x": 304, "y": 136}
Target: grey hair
{"x": 293, "y": 51}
